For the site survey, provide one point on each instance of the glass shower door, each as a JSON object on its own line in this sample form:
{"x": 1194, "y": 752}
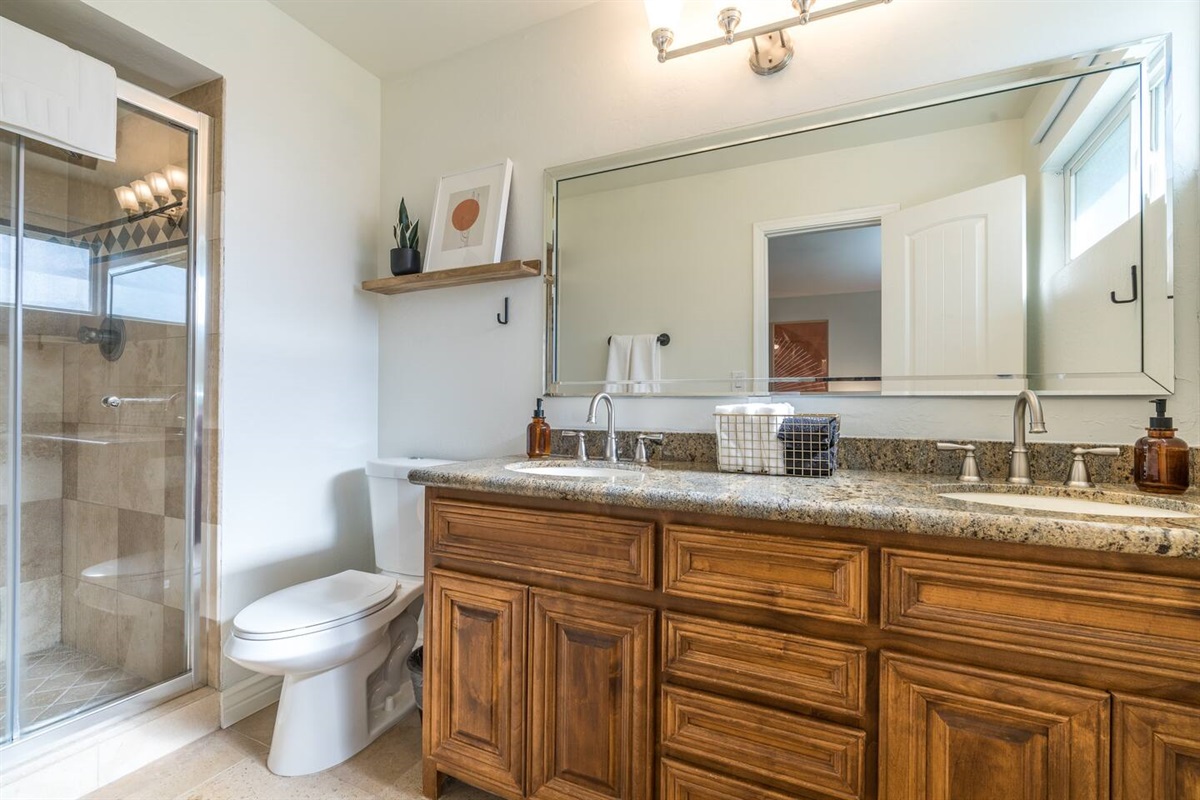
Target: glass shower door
{"x": 102, "y": 380}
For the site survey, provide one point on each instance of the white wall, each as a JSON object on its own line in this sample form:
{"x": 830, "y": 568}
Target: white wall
{"x": 299, "y": 393}
{"x": 453, "y": 382}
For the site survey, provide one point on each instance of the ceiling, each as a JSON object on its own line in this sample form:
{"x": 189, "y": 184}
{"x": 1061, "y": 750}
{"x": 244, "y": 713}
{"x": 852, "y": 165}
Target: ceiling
{"x": 391, "y": 38}
{"x": 824, "y": 262}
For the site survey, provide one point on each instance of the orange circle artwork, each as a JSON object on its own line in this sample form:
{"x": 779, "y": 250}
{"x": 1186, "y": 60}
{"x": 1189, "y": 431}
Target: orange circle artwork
{"x": 465, "y": 214}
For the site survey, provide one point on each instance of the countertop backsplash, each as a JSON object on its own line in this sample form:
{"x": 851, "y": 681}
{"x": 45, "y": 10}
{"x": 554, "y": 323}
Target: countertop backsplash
{"x": 1049, "y": 461}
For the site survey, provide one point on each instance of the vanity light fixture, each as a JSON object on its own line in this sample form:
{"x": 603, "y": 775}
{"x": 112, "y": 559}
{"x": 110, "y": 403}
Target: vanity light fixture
{"x": 161, "y": 193}
{"x": 771, "y": 46}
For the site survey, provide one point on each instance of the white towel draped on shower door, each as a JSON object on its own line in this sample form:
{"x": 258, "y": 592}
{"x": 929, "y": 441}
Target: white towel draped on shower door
{"x": 634, "y": 364}
{"x": 56, "y": 95}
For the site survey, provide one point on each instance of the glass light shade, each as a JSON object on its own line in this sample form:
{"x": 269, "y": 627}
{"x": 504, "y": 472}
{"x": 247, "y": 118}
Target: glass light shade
{"x": 127, "y": 199}
{"x": 177, "y": 178}
{"x": 663, "y": 14}
{"x": 754, "y": 12}
{"x": 141, "y": 190}
{"x": 158, "y": 185}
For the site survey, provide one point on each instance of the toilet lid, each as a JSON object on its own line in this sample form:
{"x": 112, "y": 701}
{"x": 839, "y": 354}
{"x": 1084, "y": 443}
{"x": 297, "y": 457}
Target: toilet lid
{"x": 315, "y": 605}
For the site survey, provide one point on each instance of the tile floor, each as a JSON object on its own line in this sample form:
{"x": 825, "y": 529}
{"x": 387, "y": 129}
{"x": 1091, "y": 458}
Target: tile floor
{"x": 60, "y": 680}
{"x": 231, "y": 764}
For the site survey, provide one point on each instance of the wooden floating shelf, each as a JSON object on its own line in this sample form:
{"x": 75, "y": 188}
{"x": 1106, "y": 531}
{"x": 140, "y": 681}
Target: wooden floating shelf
{"x": 460, "y": 276}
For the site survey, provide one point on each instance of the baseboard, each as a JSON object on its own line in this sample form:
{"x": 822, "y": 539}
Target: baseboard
{"x": 246, "y": 697}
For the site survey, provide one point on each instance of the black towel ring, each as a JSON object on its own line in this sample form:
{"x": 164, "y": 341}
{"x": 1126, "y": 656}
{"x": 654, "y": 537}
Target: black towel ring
{"x": 664, "y": 339}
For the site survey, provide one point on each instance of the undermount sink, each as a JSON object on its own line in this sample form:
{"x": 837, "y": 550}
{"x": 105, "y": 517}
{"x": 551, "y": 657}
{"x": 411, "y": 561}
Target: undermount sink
{"x": 585, "y": 470}
{"x": 1097, "y": 504}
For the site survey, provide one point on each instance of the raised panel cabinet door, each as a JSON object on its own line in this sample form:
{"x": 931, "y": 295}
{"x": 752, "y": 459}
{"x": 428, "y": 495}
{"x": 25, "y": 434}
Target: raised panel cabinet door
{"x": 949, "y": 732}
{"x": 1156, "y": 750}
{"x": 591, "y": 724}
{"x": 475, "y": 681}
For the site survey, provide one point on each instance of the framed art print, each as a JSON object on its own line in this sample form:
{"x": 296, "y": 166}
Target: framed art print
{"x": 468, "y": 218}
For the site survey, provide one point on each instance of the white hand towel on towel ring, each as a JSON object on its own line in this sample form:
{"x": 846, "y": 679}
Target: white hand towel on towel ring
{"x": 634, "y": 364}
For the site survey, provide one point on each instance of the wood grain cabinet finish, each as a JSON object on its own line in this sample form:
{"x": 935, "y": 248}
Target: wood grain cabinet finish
{"x": 764, "y": 745}
{"x": 1156, "y": 750}
{"x": 766, "y": 665}
{"x": 1095, "y": 616}
{"x": 585, "y": 546}
{"x": 591, "y": 699}
{"x": 780, "y": 573}
{"x": 680, "y": 781}
{"x": 949, "y": 732}
{"x": 475, "y": 689}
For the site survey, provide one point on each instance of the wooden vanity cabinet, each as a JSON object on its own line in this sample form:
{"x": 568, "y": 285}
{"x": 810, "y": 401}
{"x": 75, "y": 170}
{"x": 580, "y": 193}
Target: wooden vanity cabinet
{"x": 534, "y": 692}
{"x": 595, "y": 653}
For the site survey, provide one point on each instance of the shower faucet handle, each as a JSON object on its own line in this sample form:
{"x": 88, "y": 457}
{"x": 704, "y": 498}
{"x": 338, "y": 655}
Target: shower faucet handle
{"x": 970, "y": 467}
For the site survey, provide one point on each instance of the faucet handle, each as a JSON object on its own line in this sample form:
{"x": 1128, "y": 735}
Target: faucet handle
{"x": 581, "y": 447}
{"x": 970, "y": 467}
{"x": 1078, "y": 477}
{"x": 639, "y": 456}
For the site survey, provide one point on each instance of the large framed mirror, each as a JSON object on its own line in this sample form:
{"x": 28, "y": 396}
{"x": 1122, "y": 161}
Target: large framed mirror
{"x": 977, "y": 237}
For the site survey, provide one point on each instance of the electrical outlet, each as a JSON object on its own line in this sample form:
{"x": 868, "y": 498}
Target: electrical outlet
{"x": 737, "y": 380}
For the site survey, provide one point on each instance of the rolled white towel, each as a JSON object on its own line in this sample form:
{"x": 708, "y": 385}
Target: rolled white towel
{"x": 751, "y": 444}
{"x": 767, "y": 449}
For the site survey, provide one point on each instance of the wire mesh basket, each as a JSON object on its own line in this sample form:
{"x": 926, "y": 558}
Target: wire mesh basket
{"x": 804, "y": 445}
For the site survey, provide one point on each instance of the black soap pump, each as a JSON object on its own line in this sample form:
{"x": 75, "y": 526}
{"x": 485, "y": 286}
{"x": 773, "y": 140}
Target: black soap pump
{"x": 1160, "y": 458}
{"x": 537, "y": 434}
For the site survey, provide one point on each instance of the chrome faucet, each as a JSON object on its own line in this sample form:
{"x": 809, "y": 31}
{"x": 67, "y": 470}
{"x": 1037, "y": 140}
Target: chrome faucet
{"x": 1018, "y": 466}
{"x": 610, "y": 442}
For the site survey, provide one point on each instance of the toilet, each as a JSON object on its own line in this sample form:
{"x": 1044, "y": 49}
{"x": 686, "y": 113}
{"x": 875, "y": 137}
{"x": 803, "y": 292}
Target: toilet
{"x": 340, "y": 642}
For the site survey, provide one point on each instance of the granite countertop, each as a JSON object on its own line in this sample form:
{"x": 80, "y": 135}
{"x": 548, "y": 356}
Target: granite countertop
{"x": 887, "y": 501}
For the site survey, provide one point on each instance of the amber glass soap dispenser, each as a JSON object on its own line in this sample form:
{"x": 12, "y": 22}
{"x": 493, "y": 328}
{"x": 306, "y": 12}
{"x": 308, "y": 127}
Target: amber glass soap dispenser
{"x": 1160, "y": 459}
{"x": 537, "y": 435}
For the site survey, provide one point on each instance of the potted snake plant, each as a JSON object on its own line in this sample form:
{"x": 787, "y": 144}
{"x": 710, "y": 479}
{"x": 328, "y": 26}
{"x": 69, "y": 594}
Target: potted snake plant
{"x": 406, "y": 255}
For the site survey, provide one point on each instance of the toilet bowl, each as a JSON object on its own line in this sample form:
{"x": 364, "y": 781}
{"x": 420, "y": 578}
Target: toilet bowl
{"x": 340, "y": 642}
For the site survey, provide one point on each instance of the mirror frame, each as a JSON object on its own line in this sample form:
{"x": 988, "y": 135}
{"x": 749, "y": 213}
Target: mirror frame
{"x": 1076, "y": 66}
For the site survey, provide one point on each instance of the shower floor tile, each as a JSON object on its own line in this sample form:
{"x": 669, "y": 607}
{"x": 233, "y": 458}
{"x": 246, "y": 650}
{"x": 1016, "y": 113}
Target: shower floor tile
{"x": 60, "y": 681}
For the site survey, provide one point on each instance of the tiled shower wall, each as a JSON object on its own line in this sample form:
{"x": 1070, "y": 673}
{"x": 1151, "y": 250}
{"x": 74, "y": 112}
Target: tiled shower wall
{"x": 41, "y": 511}
{"x": 122, "y": 502}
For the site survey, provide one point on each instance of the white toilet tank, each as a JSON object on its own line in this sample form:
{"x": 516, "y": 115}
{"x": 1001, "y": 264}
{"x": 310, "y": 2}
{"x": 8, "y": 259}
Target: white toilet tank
{"x": 398, "y": 514}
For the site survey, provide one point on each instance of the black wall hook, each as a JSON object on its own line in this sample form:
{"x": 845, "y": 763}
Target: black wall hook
{"x": 504, "y": 320}
{"x": 1133, "y": 276}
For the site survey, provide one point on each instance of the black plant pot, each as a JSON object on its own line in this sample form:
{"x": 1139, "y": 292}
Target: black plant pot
{"x": 405, "y": 261}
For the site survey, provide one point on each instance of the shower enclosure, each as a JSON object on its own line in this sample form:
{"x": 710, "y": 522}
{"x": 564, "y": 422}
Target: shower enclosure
{"x": 102, "y": 331}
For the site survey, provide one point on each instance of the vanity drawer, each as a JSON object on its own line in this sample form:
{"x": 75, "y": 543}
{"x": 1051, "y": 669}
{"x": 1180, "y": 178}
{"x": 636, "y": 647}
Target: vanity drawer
{"x": 770, "y": 666}
{"x": 778, "y": 573}
{"x": 763, "y": 745}
{"x": 682, "y": 781}
{"x": 1089, "y": 616}
{"x": 593, "y": 548}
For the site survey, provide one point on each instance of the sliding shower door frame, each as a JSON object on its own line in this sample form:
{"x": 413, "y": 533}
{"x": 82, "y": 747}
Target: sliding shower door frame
{"x": 199, "y": 589}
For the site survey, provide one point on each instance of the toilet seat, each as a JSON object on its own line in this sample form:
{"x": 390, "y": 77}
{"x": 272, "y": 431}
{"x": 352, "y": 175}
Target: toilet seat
{"x": 315, "y": 606}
